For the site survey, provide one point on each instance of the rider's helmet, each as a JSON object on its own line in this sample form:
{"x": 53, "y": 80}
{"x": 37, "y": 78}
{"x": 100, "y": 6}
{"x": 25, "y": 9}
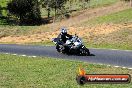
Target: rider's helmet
{"x": 63, "y": 30}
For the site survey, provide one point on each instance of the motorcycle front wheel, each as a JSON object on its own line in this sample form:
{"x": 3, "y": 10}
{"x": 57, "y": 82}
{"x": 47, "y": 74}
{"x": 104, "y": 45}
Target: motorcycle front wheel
{"x": 84, "y": 51}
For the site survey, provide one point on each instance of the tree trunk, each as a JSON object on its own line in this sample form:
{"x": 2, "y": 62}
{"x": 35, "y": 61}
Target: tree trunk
{"x": 131, "y": 3}
{"x": 21, "y": 20}
{"x": 55, "y": 12}
{"x": 48, "y": 13}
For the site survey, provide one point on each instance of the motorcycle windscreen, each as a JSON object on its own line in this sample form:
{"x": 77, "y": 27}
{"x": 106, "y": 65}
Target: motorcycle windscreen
{"x": 56, "y": 39}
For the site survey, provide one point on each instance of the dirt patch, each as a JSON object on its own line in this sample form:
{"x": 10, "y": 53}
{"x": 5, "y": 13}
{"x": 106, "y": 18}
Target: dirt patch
{"x": 87, "y": 33}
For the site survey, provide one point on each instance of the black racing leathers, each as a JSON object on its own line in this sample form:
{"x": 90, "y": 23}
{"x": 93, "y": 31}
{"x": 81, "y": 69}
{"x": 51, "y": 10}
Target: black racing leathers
{"x": 64, "y": 37}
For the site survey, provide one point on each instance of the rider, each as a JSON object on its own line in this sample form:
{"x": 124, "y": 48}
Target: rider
{"x": 63, "y": 35}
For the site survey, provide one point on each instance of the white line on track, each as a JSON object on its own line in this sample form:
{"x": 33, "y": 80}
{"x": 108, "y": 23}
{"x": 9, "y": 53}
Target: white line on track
{"x": 100, "y": 64}
{"x": 93, "y": 63}
{"x": 34, "y": 56}
{"x": 29, "y": 56}
{"x": 23, "y": 55}
{"x": 112, "y": 49}
{"x": 117, "y": 66}
{"x": 14, "y": 54}
{"x": 130, "y": 68}
{"x": 124, "y": 67}
{"x": 109, "y": 65}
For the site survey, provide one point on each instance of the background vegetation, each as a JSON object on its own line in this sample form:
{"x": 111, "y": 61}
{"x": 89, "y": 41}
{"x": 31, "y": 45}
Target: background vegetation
{"x": 48, "y": 8}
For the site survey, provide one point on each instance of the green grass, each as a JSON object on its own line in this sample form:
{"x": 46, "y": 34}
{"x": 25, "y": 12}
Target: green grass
{"x": 97, "y": 3}
{"x": 118, "y": 17}
{"x": 16, "y": 30}
{"x": 42, "y": 72}
{"x": 121, "y": 39}
{"x": 105, "y": 45}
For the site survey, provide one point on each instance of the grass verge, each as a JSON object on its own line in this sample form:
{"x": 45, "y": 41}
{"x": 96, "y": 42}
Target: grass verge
{"x": 103, "y": 44}
{"x": 15, "y": 30}
{"x": 118, "y": 17}
{"x": 110, "y": 46}
{"x": 42, "y": 72}
{"x": 121, "y": 39}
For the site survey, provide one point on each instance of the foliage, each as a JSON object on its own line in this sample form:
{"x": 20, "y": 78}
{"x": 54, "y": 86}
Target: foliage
{"x": 53, "y": 5}
{"x": 25, "y": 10}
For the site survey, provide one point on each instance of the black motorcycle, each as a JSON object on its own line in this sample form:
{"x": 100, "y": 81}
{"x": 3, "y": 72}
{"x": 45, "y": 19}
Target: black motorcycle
{"x": 73, "y": 46}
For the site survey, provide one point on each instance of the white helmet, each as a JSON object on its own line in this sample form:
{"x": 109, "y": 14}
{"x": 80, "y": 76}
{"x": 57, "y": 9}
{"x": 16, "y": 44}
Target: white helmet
{"x": 63, "y": 30}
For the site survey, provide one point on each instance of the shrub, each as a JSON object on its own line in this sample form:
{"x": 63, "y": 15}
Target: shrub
{"x": 27, "y": 11}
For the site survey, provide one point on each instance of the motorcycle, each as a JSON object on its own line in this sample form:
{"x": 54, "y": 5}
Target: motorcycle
{"x": 73, "y": 46}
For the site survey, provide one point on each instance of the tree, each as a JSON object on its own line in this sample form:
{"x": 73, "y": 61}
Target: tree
{"x": 47, "y": 5}
{"x": 58, "y": 5}
{"x": 0, "y": 11}
{"x": 88, "y": 1}
{"x": 84, "y": 3}
{"x": 131, "y": 3}
{"x": 25, "y": 10}
{"x": 53, "y": 5}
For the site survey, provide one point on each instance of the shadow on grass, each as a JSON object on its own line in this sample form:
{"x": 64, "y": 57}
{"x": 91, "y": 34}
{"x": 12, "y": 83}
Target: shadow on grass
{"x": 14, "y": 22}
{"x": 3, "y": 21}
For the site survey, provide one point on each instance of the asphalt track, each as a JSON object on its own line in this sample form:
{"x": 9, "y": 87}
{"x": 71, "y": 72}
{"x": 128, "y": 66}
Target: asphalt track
{"x": 102, "y": 56}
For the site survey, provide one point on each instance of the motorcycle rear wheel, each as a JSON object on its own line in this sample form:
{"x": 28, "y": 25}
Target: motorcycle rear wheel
{"x": 61, "y": 49}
